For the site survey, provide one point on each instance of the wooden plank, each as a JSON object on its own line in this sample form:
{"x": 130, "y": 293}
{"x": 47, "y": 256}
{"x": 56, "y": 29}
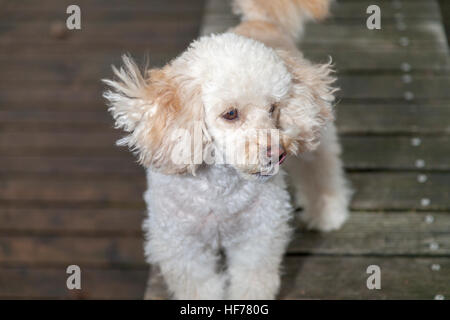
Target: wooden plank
{"x": 430, "y": 30}
{"x": 56, "y": 120}
{"x": 390, "y": 118}
{"x": 63, "y": 69}
{"x": 364, "y": 233}
{"x": 430, "y": 36}
{"x": 380, "y": 234}
{"x": 50, "y": 283}
{"x": 330, "y": 29}
{"x": 304, "y": 278}
{"x": 400, "y": 191}
{"x": 396, "y": 153}
{"x": 373, "y": 191}
{"x": 84, "y": 166}
{"x": 88, "y": 95}
{"x": 81, "y": 46}
{"x": 377, "y": 234}
{"x": 154, "y": 32}
{"x": 112, "y": 47}
{"x": 410, "y": 9}
{"x": 70, "y": 221}
{"x": 345, "y": 278}
{"x": 70, "y": 74}
{"x": 109, "y": 190}
{"x": 357, "y": 9}
{"x": 79, "y": 95}
{"x": 69, "y": 151}
{"x": 72, "y": 60}
{"x": 69, "y": 69}
{"x": 160, "y": 27}
{"x": 352, "y": 118}
{"x": 362, "y": 45}
{"x": 60, "y": 139}
{"x": 377, "y": 60}
{"x": 360, "y": 153}
{"x": 220, "y": 22}
{"x": 63, "y": 251}
{"x": 218, "y": 15}
{"x": 392, "y": 87}
{"x": 155, "y": 6}
{"x": 85, "y": 68}
{"x": 154, "y": 29}
{"x": 79, "y": 145}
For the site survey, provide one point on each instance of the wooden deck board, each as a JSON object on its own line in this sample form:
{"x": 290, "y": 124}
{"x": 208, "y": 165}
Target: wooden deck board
{"x": 39, "y": 237}
{"x": 402, "y": 278}
{"x": 115, "y": 268}
{"x": 68, "y": 195}
{"x": 357, "y": 9}
{"x": 424, "y": 87}
{"x": 304, "y": 278}
{"x": 360, "y": 153}
{"x": 49, "y": 283}
{"x": 312, "y": 277}
{"x": 47, "y": 238}
{"x": 374, "y": 190}
{"x": 56, "y": 68}
{"x": 388, "y": 118}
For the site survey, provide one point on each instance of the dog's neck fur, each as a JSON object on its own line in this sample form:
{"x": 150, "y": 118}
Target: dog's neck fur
{"x": 214, "y": 177}
{"x": 212, "y": 183}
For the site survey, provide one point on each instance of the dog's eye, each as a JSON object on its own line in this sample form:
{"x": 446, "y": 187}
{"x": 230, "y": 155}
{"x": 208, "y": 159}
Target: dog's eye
{"x": 231, "y": 115}
{"x": 272, "y": 108}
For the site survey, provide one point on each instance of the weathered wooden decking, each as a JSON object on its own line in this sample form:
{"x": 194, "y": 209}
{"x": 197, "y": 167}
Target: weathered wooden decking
{"x": 69, "y": 196}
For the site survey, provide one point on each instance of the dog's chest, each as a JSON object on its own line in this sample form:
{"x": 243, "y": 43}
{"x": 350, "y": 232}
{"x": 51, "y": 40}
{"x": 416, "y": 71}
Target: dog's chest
{"x": 213, "y": 203}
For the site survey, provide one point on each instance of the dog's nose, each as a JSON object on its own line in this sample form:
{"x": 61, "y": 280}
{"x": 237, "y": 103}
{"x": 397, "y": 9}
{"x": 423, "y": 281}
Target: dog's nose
{"x": 281, "y": 154}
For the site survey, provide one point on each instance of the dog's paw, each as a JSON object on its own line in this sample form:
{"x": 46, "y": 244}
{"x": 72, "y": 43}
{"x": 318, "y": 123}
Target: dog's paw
{"x": 261, "y": 285}
{"x": 330, "y": 216}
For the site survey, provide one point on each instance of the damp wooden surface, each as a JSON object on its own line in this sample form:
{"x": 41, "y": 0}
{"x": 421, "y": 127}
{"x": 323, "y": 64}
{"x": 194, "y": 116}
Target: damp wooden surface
{"x": 56, "y": 133}
{"x": 68, "y": 195}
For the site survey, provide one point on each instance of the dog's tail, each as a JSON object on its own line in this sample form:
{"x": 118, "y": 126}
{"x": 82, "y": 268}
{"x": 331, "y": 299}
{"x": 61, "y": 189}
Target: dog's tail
{"x": 290, "y": 15}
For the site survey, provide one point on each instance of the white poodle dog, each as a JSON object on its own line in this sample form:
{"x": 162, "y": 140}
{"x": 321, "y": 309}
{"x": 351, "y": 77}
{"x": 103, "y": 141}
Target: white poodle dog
{"x": 212, "y": 128}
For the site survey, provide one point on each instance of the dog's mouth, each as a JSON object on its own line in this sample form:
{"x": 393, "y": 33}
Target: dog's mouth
{"x": 282, "y": 158}
{"x": 270, "y": 171}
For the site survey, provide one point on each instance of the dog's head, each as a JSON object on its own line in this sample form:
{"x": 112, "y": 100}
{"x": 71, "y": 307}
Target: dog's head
{"x": 227, "y": 99}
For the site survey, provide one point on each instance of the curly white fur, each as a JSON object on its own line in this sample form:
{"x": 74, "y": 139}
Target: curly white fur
{"x": 198, "y": 209}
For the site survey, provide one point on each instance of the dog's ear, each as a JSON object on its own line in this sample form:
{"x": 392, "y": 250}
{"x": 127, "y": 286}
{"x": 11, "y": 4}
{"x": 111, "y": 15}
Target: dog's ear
{"x": 163, "y": 116}
{"x": 309, "y": 107}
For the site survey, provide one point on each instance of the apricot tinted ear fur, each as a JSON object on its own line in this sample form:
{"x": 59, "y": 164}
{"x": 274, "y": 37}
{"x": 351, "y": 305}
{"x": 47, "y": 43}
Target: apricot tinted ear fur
{"x": 309, "y": 107}
{"x": 154, "y": 110}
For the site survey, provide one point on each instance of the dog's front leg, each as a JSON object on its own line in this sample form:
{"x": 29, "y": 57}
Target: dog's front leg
{"x": 188, "y": 267}
{"x": 253, "y": 264}
{"x": 321, "y": 188}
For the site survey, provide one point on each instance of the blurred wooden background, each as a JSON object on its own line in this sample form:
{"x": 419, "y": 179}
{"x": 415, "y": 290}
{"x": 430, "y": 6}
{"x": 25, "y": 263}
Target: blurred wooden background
{"x": 68, "y": 195}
